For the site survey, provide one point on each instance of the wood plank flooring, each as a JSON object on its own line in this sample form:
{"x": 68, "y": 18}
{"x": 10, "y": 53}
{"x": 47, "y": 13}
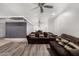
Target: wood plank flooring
{"x": 10, "y": 48}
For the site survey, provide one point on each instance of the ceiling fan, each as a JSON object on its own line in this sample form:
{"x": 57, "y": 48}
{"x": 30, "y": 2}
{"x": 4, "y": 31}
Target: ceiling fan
{"x": 42, "y": 6}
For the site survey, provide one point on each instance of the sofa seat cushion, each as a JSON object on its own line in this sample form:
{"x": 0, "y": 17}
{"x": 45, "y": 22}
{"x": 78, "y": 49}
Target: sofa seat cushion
{"x": 74, "y": 52}
{"x": 60, "y": 50}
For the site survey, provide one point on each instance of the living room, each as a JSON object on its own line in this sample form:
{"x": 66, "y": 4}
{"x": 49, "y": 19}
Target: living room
{"x": 39, "y": 29}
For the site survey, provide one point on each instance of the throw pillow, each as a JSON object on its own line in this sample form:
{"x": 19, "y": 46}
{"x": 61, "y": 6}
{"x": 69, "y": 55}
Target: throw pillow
{"x": 64, "y": 41}
{"x": 60, "y": 43}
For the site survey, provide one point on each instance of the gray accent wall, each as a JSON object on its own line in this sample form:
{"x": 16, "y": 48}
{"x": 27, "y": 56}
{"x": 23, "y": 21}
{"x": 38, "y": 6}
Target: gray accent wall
{"x": 16, "y": 29}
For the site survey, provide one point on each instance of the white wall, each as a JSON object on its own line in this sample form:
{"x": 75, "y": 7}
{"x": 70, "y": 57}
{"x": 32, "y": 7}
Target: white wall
{"x": 2, "y": 27}
{"x": 67, "y": 22}
{"x": 29, "y": 28}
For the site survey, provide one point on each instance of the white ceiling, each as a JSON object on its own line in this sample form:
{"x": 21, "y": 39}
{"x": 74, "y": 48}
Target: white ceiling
{"x": 26, "y": 9}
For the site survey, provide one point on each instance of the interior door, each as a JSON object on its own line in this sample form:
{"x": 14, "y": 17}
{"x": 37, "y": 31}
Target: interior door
{"x": 15, "y": 29}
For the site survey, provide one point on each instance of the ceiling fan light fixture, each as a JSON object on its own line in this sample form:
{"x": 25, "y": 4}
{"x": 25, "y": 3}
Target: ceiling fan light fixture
{"x": 54, "y": 14}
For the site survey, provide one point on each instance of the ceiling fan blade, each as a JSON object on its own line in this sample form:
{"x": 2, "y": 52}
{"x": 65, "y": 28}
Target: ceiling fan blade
{"x": 42, "y": 4}
{"x": 48, "y": 6}
{"x": 35, "y": 7}
{"x": 41, "y": 9}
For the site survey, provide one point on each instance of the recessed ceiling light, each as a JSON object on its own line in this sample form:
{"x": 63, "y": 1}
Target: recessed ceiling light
{"x": 67, "y": 13}
{"x": 53, "y": 14}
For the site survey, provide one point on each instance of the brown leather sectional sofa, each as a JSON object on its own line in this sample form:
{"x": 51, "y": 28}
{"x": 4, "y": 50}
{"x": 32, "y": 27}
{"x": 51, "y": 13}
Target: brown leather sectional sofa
{"x": 62, "y": 50}
{"x": 40, "y": 37}
{"x": 56, "y": 47}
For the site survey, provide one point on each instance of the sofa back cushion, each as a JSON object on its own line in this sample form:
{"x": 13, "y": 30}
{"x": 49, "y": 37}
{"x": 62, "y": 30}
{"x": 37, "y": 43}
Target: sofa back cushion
{"x": 70, "y": 38}
{"x": 66, "y": 43}
{"x": 32, "y": 35}
{"x": 45, "y": 34}
{"x": 41, "y": 35}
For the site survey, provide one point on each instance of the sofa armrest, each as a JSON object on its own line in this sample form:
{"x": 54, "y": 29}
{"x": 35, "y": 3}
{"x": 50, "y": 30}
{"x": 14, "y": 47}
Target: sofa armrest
{"x": 74, "y": 52}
